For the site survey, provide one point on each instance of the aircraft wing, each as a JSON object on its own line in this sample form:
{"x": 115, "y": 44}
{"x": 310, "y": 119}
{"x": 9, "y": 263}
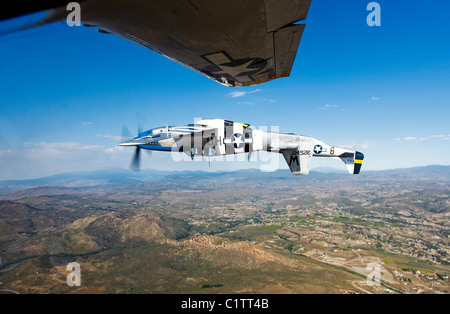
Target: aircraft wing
{"x": 236, "y": 43}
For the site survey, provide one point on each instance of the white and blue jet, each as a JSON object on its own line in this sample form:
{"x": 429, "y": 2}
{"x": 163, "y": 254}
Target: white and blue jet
{"x": 218, "y": 137}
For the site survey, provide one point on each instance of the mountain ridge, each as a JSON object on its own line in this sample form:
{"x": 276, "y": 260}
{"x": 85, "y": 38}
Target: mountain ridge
{"x": 72, "y": 182}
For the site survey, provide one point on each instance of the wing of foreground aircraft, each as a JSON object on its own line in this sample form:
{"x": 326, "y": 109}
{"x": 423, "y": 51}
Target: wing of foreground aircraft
{"x": 236, "y": 43}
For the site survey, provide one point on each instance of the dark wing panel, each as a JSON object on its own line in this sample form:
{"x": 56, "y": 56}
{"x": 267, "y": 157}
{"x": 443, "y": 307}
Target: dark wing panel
{"x": 237, "y": 43}
{"x": 286, "y": 42}
{"x": 18, "y": 8}
{"x": 280, "y": 13}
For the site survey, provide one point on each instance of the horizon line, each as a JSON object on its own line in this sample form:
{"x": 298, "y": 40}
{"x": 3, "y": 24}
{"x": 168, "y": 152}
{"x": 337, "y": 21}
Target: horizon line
{"x": 333, "y": 170}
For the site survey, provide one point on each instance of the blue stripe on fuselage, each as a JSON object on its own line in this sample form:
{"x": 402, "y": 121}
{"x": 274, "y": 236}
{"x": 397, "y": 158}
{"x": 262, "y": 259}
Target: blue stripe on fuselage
{"x": 156, "y": 147}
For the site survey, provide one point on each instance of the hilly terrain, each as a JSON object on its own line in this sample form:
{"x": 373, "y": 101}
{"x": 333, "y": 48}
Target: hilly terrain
{"x": 228, "y": 232}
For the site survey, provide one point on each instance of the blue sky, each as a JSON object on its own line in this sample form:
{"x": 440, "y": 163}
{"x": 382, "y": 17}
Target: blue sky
{"x": 66, "y": 92}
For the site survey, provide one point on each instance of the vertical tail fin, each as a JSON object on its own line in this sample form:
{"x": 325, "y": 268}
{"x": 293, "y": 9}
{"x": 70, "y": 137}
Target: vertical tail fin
{"x": 353, "y": 161}
{"x": 299, "y": 161}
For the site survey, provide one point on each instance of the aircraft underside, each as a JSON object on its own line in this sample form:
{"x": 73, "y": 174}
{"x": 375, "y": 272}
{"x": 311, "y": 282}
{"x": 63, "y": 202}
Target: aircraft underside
{"x": 217, "y": 137}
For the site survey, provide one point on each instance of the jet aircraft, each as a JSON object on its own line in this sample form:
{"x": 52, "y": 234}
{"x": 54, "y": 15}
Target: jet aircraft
{"x": 218, "y": 137}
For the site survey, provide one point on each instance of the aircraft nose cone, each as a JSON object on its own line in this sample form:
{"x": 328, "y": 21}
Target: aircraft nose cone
{"x": 126, "y": 144}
